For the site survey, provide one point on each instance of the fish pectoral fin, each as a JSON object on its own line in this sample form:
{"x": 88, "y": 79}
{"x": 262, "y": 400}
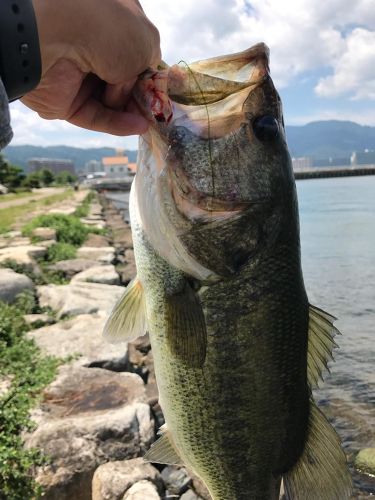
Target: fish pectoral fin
{"x": 320, "y": 344}
{"x": 321, "y": 473}
{"x": 186, "y": 327}
{"x": 164, "y": 451}
{"x": 128, "y": 318}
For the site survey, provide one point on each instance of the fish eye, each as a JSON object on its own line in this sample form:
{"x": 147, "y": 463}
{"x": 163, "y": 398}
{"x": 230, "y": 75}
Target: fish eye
{"x": 266, "y": 128}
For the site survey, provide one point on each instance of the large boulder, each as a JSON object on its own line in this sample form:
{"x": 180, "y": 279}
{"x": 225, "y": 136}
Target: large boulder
{"x": 23, "y": 254}
{"x": 96, "y": 240}
{"x": 365, "y": 461}
{"x": 105, "y": 274}
{"x": 71, "y": 267}
{"x": 87, "y": 417}
{"x": 141, "y": 491}
{"x": 79, "y": 298}
{"x": 12, "y": 284}
{"x": 113, "y": 479}
{"x": 176, "y": 479}
{"x": 106, "y": 255}
{"x": 82, "y": 337}
{"x": 44, "y": 233}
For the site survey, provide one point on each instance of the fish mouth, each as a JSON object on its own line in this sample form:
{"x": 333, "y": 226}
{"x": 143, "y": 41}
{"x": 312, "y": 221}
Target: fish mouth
{"x": 165, "y": 94}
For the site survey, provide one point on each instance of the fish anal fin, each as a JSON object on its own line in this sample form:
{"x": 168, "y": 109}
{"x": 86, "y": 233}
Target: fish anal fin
{"x": 163, "y": 451}
{"x": 321, "y": 473}
{"x": 320, "y": 344}
{"x": 186, "y": 327}
{"x": 128, "y": 318}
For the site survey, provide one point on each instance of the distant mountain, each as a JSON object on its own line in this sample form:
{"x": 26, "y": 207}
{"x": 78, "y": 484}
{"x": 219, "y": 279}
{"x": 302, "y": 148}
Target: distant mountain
{"x": 323, "y": 139}
{"x": 18, "y": 155}
{"x": 332, "y": 138}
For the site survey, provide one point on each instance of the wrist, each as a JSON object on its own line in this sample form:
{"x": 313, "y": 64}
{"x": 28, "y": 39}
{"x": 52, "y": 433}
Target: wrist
{"x": 20, "y": 63}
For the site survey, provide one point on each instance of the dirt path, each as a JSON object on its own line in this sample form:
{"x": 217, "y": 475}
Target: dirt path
{"x": 37, "y": 195}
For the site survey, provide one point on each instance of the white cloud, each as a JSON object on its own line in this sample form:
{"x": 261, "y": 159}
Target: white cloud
{"x": 29, "y": 128}
{"x": 303, "y": 35}
{"x": 354, "y": 70}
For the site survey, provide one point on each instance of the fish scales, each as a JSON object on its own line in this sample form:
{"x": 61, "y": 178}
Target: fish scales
{"x": 237, "y": 347}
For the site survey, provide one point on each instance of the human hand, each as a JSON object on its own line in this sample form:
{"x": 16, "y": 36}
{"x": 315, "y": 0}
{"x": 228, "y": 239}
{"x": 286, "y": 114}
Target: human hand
{"x": 92, "y": 52}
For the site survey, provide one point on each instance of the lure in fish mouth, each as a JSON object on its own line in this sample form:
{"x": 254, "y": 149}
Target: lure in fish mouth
{"x": 237, "y": 347}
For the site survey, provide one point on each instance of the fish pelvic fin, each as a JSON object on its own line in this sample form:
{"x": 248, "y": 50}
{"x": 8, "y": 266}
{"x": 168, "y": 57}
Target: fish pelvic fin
{"x": 320, "y": 344}
{"x": 186, "y": 327}
{"x": 321, "y": 472}
{"x": 164, "y": 451}
{"x": 128, "y": 318}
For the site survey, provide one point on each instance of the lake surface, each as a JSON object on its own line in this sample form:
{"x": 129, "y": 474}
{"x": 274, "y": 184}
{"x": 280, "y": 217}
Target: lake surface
{"x": 337, "y": 218}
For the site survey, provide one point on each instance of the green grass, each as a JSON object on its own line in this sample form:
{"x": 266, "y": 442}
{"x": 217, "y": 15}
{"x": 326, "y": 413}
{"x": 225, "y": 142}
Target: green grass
{"x": 15, "y": 196}
{"x": 69, "y": 229}
{"x": 84, "y": 209}
{"x": 29, "y": 371}
{"x": 8, "y": 216}
{"x": 60, "y": 251}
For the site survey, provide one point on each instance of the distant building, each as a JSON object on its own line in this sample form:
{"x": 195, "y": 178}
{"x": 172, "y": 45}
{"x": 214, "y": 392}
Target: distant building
{"x": 303, "y": 162}
{"x": 366, "y": 157}
{"x": 118, "y": 166}
{"x": 93, "y": 167}
{"x": 55, "y": 165}
{"x": 332, "y": 162}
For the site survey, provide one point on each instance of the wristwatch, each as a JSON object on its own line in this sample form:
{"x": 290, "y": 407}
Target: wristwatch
{"x": 20, "y": 61}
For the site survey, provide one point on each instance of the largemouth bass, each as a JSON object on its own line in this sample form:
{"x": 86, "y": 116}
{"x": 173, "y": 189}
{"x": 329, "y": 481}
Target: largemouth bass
{"x": 237, "y": 347}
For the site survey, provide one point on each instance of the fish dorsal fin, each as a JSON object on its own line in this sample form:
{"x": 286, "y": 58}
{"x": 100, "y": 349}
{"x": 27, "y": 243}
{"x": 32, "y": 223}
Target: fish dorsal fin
{"x": 186, "y": 327}
{"x": 164, "y": 451}
{"x": 320, "y": 344}
{"x": 128, "y": 318}
{"x": 321, "y": 472}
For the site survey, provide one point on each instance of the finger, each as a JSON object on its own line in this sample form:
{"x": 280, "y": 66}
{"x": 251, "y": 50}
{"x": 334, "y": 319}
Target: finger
{"x": 93, "y": 115}
{"x": 116, "y": 96}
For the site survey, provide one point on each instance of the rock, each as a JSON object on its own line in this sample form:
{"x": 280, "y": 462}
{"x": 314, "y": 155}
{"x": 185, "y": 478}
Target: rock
{"x": 127, "y": 272}
{"x": 97, "y": 241}
{"x": 105, "y": 274}
{"x": 190, "y": 495}
{"x": 79, "y": 298}
{"x": 12, "y": 284}
{"x": 113, "y": 479}
{"x": 5, "y": 385}
{"x": 45, "y": 233}
{"x": 73, "y": 266}
{"x": 63, "y": 210}
{"x": 42, "y": 319}
{"x": 199, "y": 487}
{"x": 103, "y": 254}
{"x": 23, "y": 254}
{"x": 96, "y": 222}
{"x": 82, "y": 336}
{"x": 95, "y": 210}
{"x": 365, "y": 461}
{"x": 20, "y": 241}
{"x": 3, "y": 189}
{"x": 88, "y": 416}
{"x": 176, "y": 479}
{"x": 141, "y": 491}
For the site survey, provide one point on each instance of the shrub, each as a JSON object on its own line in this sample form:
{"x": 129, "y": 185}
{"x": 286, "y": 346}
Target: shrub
{"x": 60, "y": 251}
{"x": 69, "y": 229}
{"x": 84, "y": 208}
{"x": 29, "y": 372}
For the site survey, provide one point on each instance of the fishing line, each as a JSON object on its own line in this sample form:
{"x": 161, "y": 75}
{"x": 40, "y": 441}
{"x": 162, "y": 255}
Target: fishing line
{"x": 191, "y": 73}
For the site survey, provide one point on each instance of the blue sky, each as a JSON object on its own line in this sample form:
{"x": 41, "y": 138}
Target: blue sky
{"x": 322, "y": 58}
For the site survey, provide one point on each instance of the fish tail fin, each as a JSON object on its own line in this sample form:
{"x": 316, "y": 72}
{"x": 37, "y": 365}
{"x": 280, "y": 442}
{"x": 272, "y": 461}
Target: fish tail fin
{"x": 321, "y": 473}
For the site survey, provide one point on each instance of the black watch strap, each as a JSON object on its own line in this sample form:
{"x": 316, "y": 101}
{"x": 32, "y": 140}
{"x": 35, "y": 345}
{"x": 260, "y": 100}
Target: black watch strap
{"x": 20, "y": 62}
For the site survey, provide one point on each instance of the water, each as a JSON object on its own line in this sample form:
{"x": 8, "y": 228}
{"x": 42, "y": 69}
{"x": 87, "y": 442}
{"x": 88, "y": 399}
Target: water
{"x": 337, "y": 218}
